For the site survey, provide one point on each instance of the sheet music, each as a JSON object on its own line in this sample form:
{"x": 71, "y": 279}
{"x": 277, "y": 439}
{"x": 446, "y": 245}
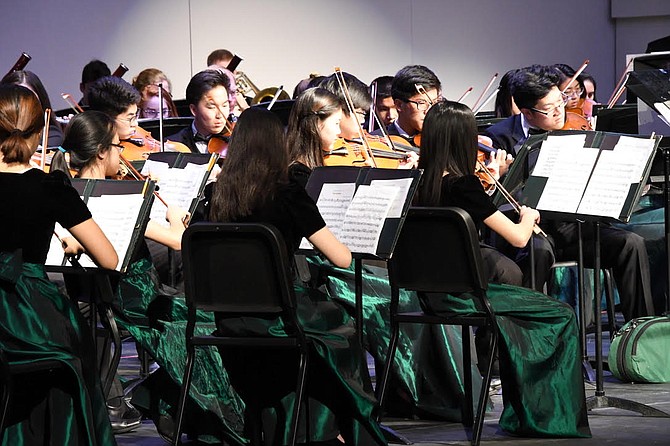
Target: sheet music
{"x": 154, "y": 169}
{"x": 333, "y": 202}
{"x": 569, "y": 176}
{"x": 403, "y": 185}
{"x": 551, "y": 148}
{"x": 56, "y": 255}
{"x": 636, "y": 153}
{"x": 606, "y": 193}
{"x": 178, "y": 187}
{"x": 364, "y": 220}
{"x": 117, "y": 216}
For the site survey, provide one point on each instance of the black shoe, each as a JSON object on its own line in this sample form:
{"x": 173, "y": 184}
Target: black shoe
{"x": 124, "y": 418}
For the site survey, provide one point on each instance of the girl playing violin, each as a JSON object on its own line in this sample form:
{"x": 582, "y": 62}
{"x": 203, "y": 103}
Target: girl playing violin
{"x": 448, "y": 157}
{"x": 37, "y": 322}
{"x": 267, "y": 194}
{"x": 538, "y": 334}
{"x": 313, "y": 128}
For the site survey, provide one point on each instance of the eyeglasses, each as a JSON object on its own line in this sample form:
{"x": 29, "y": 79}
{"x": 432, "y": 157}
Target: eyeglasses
{"x": 573, "y": 92}
{"x": 424, "y": 105}
{"x": 153, "y": 113}
{"x": 130, "y": 119}
{"x": 554, "y": 109}
{"x": 118, "y": 146}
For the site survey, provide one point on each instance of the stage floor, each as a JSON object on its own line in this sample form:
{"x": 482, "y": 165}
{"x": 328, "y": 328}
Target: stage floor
{"x": 608, "y": 426}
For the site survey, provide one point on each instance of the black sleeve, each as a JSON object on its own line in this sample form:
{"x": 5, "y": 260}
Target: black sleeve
{"x": 303, "y": 210}
{"x": 468, "y": 193}
{"x": 69, "y": 209}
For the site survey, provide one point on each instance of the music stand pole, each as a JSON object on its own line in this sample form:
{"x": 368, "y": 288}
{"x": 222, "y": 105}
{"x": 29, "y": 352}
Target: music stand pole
{"x": 599, "y": 400}
{"x": 666, "y": 214}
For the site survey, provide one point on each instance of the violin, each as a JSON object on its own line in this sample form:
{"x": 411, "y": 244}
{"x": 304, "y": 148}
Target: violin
{"x": 346, "y": 153}
{"x": 141, "y": 144}
{"x": 484, "y": 151}
{"x": 576, "y": 121}
{"x": 219, "y": 143}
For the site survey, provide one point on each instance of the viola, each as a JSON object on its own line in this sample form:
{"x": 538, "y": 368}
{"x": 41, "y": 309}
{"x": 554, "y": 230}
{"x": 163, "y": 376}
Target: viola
{"x": 141, "y": 144}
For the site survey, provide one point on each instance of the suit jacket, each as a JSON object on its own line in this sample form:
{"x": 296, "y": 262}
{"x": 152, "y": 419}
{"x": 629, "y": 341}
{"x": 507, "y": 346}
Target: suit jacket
{"x": 507, "y": 134}
{"x": 185, "y": 136}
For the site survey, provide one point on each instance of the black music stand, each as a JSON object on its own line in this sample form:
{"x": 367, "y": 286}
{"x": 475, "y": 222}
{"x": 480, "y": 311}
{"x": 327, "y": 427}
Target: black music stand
{"x": 387, "y": 240}
{"x": 537, "y": 185}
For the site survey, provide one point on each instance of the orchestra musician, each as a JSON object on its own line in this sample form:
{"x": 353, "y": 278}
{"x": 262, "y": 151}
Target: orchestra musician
{"x": 505, "y": 106}
{"x": 91, "y": 72}
{"x": 412, "y": 105}
{"x": 207, "y": 95}
{"x": 538, "y": 334}
{"x": 384, "y": 104}
{"x": 146, "y": 82}
{"x": 268, "y": 194}
{"x": 33, "y": 83}
{"x": 117, "y": 99}
{"x": 220, "y": 57}
{"x": 536, "y": 93}
{"x": 313, "y": 127}
{"x": 37, "y": 322}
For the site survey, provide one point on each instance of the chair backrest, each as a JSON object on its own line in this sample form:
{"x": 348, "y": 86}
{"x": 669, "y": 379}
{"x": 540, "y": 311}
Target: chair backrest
{"x": 438, "y": 251}
{"x": 237, "y": 268}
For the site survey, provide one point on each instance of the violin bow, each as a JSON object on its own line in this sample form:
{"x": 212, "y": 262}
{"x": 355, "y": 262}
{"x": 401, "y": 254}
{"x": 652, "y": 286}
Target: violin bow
{"x": 275, "y": 97}
{"x": 350, "y": 106}
{"x": 495, "y": 76}
{"x": 465, "y": 95}
{"x": 73, "y": 105}
{"x": 45, "y": 138}
{"x": 505, "y": 193}
{"x": 577, "y": 73}
{"x": 160, "y": 117}
{"x": 486, "y": 101}
{"x": 422, "y": 91}
{"x": 373, "y": 107}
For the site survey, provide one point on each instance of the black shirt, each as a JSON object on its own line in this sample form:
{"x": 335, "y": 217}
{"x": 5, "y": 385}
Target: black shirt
{"x": 32, "y": 202}
{"x": 467, "y": 193}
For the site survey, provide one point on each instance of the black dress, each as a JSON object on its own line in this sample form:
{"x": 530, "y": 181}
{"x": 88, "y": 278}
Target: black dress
{"x": 340, "y": 388}
{"x": 37, "y": 322}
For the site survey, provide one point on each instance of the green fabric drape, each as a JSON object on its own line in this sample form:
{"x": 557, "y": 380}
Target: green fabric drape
{"x": 66, "y": 407}
{"x": 539, "y": 354}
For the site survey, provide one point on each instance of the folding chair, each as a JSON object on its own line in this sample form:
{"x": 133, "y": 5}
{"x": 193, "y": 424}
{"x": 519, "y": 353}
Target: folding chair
{"x": 438, "y": 252}
{"x": 240, "y": 270}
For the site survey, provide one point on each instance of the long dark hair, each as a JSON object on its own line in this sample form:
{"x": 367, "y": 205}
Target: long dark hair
{"x": 448, "y": 144}
{"x": 503, "y": 107}
{"x": 304, "y": 141}
{"x": 86, "y": 135}
{"x": 21, "y": 119}
{"x": 32, "y": 82}
{"x": 256, "y": 166}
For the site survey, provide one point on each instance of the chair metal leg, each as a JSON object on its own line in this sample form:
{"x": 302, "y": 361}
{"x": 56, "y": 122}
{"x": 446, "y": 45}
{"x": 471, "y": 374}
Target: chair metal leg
{"x": 467, "y": 410}
{"x": 381, "y": 386}
{"x": 4, "y": 402}
{"x": 484, "y": 392}
{"x": 186, "y": 384}
{"x": 302, "y": 373}
{"x": 609, "y": 296}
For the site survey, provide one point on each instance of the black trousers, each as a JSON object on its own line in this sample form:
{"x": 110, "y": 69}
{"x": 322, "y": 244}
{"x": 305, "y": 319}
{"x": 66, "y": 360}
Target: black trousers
{"x": 621, "y": 250}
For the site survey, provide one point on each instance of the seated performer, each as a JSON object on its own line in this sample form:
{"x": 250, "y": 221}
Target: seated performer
{"x": 37, "y": 323}
{"x": 543, "y": 392}
{"x": 208, "y": 100}
{"x": 146, "y": 82}
{"x": 536, "y": 93}
{"x": 92, "y": 71}
{"x": 341, "y": 400}
{"x": 118, "y": 100}
{"x": 505, "y": 106}
{"x": 384, "y": 104}
{"x": 412, "y": 105}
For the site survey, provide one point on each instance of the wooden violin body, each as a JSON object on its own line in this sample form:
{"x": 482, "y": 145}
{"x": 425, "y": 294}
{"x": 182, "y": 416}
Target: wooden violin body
{"x": 141, "y": 144}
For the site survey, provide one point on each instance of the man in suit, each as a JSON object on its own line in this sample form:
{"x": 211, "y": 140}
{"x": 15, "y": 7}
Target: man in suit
{"x": 542, "y": 105}
{"x": 208, "y": 100}
{"x": 411, "y": 104}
